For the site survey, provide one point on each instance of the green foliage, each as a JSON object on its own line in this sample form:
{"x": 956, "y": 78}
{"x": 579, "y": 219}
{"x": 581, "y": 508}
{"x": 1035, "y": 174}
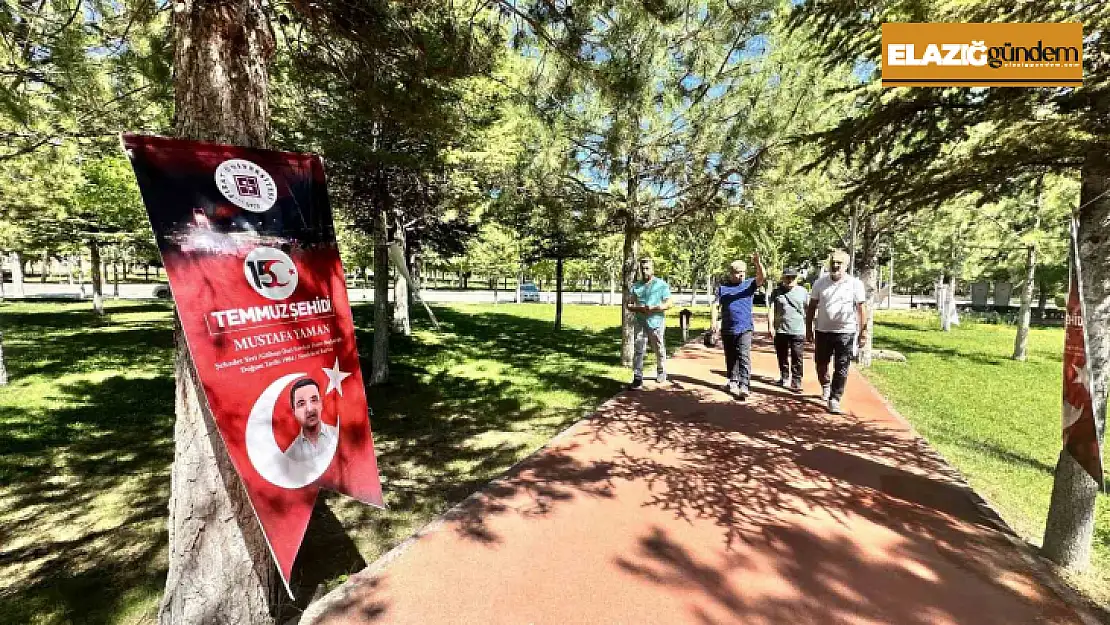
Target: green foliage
{"x": 995, "y": 419}
{"x": 86, "y": 441}
{"x": 395, "y": 95}
{"x": 918, "y": 148}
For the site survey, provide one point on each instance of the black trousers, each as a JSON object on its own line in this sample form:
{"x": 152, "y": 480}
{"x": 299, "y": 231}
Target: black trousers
{"x": 837, "y": 346}
{"x": 738, "y": 357}
{"x": 788, "y": 347}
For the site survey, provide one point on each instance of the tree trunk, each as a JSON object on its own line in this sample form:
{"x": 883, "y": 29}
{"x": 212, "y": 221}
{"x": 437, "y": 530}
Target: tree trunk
{"x": 402, "y": 323}
{"x": 81, "y": 275}
{"x": 693, "y": 288}
{"x": 97, "y": 277}
{"x": 1042, "y": 300}
{"x": 519, "y": 281}
{"x": 146, "y": 273}
{"x": 17, "y": 273}
{"x": 940, "y": 289}
{"x": 853, "y": 230}
{"x": 612, "y": 285}
{"x": 559, "y": 293}
{"x": 868, "y": 274}
{"x": 68, "y": 262}
{"x": 45, "y": 267}
{"x": 1022, "y": 338}
{"x": 890, "y": 279}
{"x": 628, "y": 275}
{"x": 1070, "y": 525}
{"x": 220, "y": 568}
{"x": 3, "y": 363}
{"x": 115, "y": 278}
{"x": 379, "y": 369}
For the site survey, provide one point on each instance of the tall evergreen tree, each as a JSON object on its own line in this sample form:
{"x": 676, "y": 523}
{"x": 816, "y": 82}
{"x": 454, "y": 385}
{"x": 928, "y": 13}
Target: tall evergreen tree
{"x": 954, "y": 141}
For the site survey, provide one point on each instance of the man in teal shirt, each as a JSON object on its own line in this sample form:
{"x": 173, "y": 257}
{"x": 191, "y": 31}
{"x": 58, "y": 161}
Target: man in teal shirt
{"x": 651, "y": 297}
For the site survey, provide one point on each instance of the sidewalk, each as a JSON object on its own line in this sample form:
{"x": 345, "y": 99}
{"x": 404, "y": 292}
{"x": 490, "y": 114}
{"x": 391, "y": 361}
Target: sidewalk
{"x": 676, "y": 504}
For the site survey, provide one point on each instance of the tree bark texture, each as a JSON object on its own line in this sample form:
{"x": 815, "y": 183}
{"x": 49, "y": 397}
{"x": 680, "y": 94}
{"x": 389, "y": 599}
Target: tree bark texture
{"x": 45, "y": 267}
{"x": 628, "y": 276}
{"x": 17, "y": 274}
{"x": 97, "y": 277}
{"x": 3, "y": 363}
{"x": 402, "y": 322}
{"x": 379, "y": 361}
{"x": 558, "y": 293}
{"x": 1021, "y": 341}
{"x": 115, "y": 278}
{"x": 81, "y": 276}
{"x": 220, "y": 569}
{"x": 868, "y": 274}
{"x": 1070, "y": 525}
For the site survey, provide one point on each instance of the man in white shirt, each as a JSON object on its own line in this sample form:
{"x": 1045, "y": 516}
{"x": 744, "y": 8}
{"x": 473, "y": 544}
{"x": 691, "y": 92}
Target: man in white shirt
{"x": 836, "y": 302}
{"x": 317, "y": 440}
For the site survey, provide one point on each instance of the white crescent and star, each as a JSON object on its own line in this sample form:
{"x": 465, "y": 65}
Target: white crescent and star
{"x": 268, "y": 458}
{"x": 1082, "y": 376}
{"x": 335, "y": 378}
{"x": 1071, "y": 415}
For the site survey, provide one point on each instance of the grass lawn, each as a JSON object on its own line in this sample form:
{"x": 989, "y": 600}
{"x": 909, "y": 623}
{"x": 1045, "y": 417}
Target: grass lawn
{"x": 995, "y": 419}
{"x": 86, "y": 441}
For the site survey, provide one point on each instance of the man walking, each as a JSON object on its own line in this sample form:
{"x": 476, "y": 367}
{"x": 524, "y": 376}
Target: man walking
{"x": 788, "y": 303}
{"x": 652, "y": 297}
{"x": 734, "y": 299}
{"x": 837, "y": 303}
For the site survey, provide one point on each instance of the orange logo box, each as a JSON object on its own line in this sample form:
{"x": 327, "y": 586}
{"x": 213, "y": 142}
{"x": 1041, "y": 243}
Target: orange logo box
{"x": 982, "y": 55}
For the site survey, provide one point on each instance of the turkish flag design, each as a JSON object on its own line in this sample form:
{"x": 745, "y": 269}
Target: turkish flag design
{"x": 1080, "y": 434}
{"x": 260, "y": 290}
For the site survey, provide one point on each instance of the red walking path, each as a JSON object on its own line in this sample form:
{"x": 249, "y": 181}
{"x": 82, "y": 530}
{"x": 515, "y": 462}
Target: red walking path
{"x": 677, "y": 504}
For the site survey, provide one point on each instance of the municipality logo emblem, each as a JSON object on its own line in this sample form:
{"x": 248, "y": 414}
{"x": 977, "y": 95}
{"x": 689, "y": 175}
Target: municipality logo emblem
{"x": 246, "y": 185}
{"x": 270, "y": 272}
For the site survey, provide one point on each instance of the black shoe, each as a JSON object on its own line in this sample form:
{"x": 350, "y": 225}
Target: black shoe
{"x": 796, "y": 386}
{"x": 637, "y": 384}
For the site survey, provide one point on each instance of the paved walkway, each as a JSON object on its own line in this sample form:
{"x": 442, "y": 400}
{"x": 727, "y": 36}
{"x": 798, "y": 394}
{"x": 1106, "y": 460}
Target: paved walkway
{"x": 677, "y": 505}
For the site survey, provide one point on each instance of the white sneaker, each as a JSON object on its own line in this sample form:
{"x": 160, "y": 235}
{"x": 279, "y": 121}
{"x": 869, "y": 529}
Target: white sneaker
{"x": 826, "y": 391}
{"x": 733, "y": 388}
{"x": 661, "y": 378}
{"x": 834, "y": 406}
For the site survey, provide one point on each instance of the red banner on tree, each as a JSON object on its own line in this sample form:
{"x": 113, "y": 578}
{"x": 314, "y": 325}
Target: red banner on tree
{"x": 248, "y": 243}
{"x": 1080, "y": 429}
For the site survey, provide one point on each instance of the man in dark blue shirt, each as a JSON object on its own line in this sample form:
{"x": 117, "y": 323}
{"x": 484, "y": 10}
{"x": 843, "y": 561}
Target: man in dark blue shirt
{"x": 734, "y": 298}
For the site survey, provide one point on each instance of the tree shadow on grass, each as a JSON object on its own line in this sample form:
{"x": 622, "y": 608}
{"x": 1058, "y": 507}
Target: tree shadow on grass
{"x": 910, "y": 347}
{"x": 85, "y": 499}
{"x": 442, "y": 432}
{"x": 139, "y": 345}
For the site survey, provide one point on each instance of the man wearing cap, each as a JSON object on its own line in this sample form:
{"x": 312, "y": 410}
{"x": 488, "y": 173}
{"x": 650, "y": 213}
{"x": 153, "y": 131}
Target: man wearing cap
{"x": 652, "y": 297}
{"x": 734, "y": 298}
{"x": 836, "y": 303}
{"x": 788, "y": 303}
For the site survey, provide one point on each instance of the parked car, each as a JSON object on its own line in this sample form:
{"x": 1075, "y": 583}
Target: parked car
{"x": 529, "y": 292}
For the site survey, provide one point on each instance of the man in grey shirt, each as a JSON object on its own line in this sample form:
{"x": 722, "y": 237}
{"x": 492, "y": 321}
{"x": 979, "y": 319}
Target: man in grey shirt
{"x": 788, "y": 303}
